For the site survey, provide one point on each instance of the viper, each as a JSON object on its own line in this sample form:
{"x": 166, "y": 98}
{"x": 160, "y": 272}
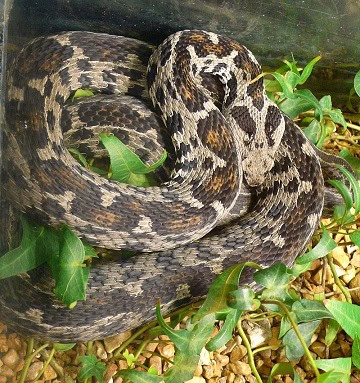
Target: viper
{"x": 245, "y": 184}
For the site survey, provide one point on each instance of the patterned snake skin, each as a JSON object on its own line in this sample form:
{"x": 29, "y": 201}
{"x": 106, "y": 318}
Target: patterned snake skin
{"x": 239, "y": 164}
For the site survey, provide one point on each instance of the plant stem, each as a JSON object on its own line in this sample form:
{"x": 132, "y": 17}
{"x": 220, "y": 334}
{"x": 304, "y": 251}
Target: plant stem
{"x": 298, "y": 334}
{"x": 337, "y": 280}
{"x": 30, "y": 347}
{"x": 249, "y": 351}
{"x": 46, "y": 363}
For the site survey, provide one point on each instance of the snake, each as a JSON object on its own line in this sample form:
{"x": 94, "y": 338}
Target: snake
{"x": 245, "y": 183}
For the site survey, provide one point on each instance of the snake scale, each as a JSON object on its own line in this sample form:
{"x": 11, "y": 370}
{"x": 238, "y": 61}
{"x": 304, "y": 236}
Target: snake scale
{"x": 246, "y": 184}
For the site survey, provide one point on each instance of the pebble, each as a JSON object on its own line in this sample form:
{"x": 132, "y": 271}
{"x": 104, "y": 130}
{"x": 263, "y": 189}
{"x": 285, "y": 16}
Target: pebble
{"x": 6, "y": 371}
{"x": 237, "y": 353}
{"x": 4, "y": 347}
{"x": 156, "y": 362}
{"x": 240, "y": 368}
{"x": 49, "y": 373}
{"x": 34, "y": 369}
{"x": 100, "y": 350}
{"x": 355, "y": 284}
{"x": 205, "y": 358}
{"x": 355, "y": 260}
{"x": 11, "y": 358}
{"x": 340, "y": 257}
{"x": 196, "y": 379}
{"x": 113, "y": 342}
{"x": 259, "y": 332}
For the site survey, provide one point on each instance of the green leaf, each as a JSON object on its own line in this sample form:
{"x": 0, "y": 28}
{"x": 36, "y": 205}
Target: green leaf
{"x": 285, "y": 85}
{"x": 63, "y": 346}
{"x": 306, "y": 310}
{"x": 82, "y": 93}
{"x": 293, "y": 107}
{"x": 325, "y": 102}
{"x": 293, "y": 347}
{"x": 337, "y": 116}
{"x": 331, "y": 331}
{"x": 72, "y": 275}
{"x": 325, "y": 245}
{"x": 226, "y": 332}
{"x": 126, "y": 166}
{"x": 275, "y": 278}
{"x": 341, "y": 215}
{"x": 347, "y": 314}
{"x": 130, "y": 358}
{"x": 285, "y": 326}
{"x": 355, "y": 237}
{"x": 29, "y": 254}
{"x": 308, "y": 96}
{"x": 355, "y": 187}
{"x": 357, "y": 83}
{"x": 188, "y": 345}
{"x": 298, "y": 268}
{"x": 283, "y": 369}
{"x": 356, "y": 351}
{"x": 340, "y": 365}
{"x": 140, "y": 377}
{"x": 353, "y": 161}
{"x": 344, "y": 192}
{"x": 313, "y": 131}
{"x": 91, "y": 367}
{"x": 330, "y": 377}
{"x": 242, "y": 299}
{"x": 308, "y": 69}
{"x": 216, "y": 298}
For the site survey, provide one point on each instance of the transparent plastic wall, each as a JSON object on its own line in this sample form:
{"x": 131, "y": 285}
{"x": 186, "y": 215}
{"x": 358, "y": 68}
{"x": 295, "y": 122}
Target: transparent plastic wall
{"x": 272, "y": 29}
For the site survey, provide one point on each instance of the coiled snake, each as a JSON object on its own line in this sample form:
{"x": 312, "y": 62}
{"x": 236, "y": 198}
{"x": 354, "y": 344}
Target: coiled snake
{"x": 238, "y": 162}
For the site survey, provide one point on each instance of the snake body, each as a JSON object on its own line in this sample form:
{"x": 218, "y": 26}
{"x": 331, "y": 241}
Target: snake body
{"x": 239, "y": 164}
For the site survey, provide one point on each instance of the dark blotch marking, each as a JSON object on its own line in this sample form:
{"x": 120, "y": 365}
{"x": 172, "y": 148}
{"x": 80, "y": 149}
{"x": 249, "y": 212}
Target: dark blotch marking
{"x": 160, "y": 95}
{"x": 151, "y": 75}
{"x": 255, "y": 91}
{"x": 175, "y": 122}
{"x": 243, "y": 118}
{"x": 272, "y": 121}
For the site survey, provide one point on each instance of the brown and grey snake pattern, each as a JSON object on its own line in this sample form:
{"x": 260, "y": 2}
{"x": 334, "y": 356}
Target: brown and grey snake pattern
{"x": 239, "y": 162}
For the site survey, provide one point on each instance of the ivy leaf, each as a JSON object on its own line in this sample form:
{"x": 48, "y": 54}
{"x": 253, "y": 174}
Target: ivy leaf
{"x": 226, "y": 332}
{"x": 357, "y": 83}
{"x": 218, "y": 293}
{"x": 91, "y": 367}
{"x": 306, "y": 310}
{"x": 293, "y": 347}
{"x": 126, "y": 166}
{"x": 243, "y": 299}
{"x": 355, "y": 237}
{"x": 313, "y": 130}
{"x": 71, "y": 277}
{"x": 30, "y": 253}
{"x": 348, "y": 316}
{"x": 63, "y": 346}
{"x": 140, "y": 377}
{"x": 337, "y": 116}
{"x": 283, "y": 369}
{"x": 325, "y": 245}
{"x": 188, "y": 345}
{"x": 340, "y": 365}
{"x": 275, "y": 278}
{"x": 82, "y": 93}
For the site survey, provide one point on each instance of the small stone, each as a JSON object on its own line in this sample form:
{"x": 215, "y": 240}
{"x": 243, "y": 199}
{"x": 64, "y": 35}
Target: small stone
{"x": 259, "y": 332}
{"x": 208, "y": 372}
{"x": 319, "y": 349}
{"x": 222, "y": 359}
{"x": 122, "y": 364}
{"x": 49, "y": 373}
{"x": 340, "y": 257}
{"x": 229, "y": 346}
{"x": 350, "y": 274}
{"x": 3, "y": 379}
{"x": 34, "y": 369}
{"x": 118, "y": 380}
{"x": 196, "y": 379}
{"x": 168, "y": 351}
{"x": 11, "y": 359}
{"x": 115, "y": 341}
{"x": 3, "y": 327}
{"x": 198, "y": 371}
{"x": 156, "y": 362}
{"x": 110, "y": 372}
{"x": 14, "y": 342}
{"x": 4, "y": 347}
{"x": 100, "y": 350}
{"x": 150, "y": 347}
{"x": 6, "y": 371}
{"x": 237, "y": 353}
{"x": 355, "y": 284}
{"x": 240, "y": 368}
{"x": 205, "y": 357}
{"x": 355, "y": 260}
